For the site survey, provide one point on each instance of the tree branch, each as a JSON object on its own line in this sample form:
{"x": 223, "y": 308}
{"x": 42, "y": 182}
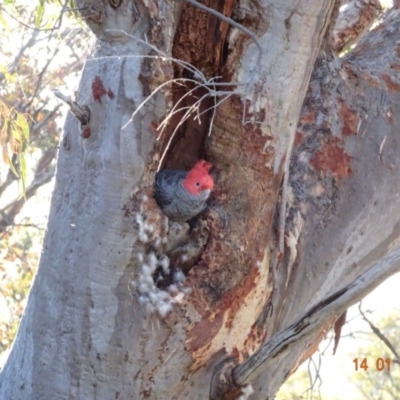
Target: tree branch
{"x": 13, "y": 66}
{"x": 42, "y": 176}
{"x": 14, "y": 208}
{"x": 82, "y": 113}
{"x": 46, "y": 119}
{"x": 380, "y": 335}
{"x": 314, "y": 319}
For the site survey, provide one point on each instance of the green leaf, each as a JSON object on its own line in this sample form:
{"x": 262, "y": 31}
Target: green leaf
{"x": 22, "y": 165}
{"x": 16, "y": 135}
{"x": 39, "y": 13}
{"x": 3, "y": 21}
{"x": 23, "y": 124}
{"x": 3, "y": 134}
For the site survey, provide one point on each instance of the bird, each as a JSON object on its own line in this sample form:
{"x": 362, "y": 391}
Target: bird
{"x": 181, "y": 195}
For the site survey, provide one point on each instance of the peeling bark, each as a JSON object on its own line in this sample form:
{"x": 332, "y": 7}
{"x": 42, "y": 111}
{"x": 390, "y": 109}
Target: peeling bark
{"x": 354, "y": 21}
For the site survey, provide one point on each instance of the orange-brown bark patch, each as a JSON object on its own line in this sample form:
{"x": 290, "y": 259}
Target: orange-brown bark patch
{"x": 200, "y": 36}
{"x": 298, "y": 139}
{"x": 233, "y": 301}
{"x": 338, "y": 330}
{"x": 332, "y": 158}
{"x": 396, "y": 67}
{"x": 110, "y": 94}
{"x": 236, "y": 354}
{"x": 204, "y": 331}
{"x": 392, "y": 86}
{"x": 308, "y": 118}
{"x": 255, "y": 338}
{"x": 371, "y": 79}
{"x": 86, "y": 133}
{"x": 227, "y": 276}
{"x": 350, "y": 119}
{"x": 98, "y": 89}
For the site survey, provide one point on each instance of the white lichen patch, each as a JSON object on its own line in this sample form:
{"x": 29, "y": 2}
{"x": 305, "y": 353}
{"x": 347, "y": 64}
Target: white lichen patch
{"x": 144, "y": 229}
{"x": 155, "y": 299}
{"x": 164, "y": 263}
{"x": 247, "y": 391}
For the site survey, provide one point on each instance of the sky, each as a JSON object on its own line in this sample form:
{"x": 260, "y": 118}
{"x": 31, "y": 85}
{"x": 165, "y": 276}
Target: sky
{"x": 338, "y": 371}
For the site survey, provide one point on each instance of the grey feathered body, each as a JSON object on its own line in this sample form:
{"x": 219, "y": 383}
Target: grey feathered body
{"x": 173, "y": 198}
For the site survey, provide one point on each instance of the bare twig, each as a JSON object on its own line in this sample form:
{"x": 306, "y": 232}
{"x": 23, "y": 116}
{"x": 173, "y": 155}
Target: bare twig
{"x": 380, "y": 335}
{"x": 11, "y": 177}
{"x": 13, "y": 66}
{"x": 39, "y": 80}
{"x": 314, "y": 380}
{"x": 228, "y": 20}
{"x": 10, "y": 211}
{"x": 30, "y": 226}
{"x": 58, "y": 23}
{"x": 46, "y": 119}
{"x": 251, "y": 34}
{"x": 25, "y": 25}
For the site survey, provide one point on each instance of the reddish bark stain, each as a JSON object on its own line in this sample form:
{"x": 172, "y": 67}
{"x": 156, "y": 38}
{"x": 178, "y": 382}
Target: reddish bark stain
{"x": 98, "y": 89}
{"x": 396, "y": 67}
{"x": 298, "y": 139}
{"x": 334, "y": 159}
{"x": 255, "y": 338}
{"x": 392, "y": 86}
{"x": 338, "y": 330}
{"x": 146, "y": 393}
{"x": 252, "y": 143}
{"x": 200, "y": 36}
{"x": 110, "y": 94}
{"x": 350, "y": 119}
{"x": 86, "y": 133}
{"x": 235, "y": 353}
{"x": 204, "y": 331}
{"x": 371, "y": 79}
{"x": 233, "y": 301}
{"x": 154, "y": 127}
{"x": 308, "y": 118}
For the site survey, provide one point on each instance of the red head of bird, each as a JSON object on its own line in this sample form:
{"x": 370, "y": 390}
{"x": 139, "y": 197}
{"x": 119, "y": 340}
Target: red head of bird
{"x": 198, "y": 179}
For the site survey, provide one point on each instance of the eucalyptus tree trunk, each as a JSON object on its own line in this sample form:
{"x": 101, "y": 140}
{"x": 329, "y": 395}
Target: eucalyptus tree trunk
{"x": 302, "y": 222}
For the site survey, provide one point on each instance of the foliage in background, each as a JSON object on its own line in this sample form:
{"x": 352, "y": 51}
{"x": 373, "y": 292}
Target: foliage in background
{"x": 305, "y": 383}
{"x": 43, "y": 48}
{"x": 14, "y": 138}
{"x": 19, "y": 260}
{"x": 372, "y": 383}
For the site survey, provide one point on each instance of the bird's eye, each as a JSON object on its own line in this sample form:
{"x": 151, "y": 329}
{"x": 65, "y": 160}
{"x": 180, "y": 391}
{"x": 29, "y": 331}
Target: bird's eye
{"x": 198, "y": 184}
